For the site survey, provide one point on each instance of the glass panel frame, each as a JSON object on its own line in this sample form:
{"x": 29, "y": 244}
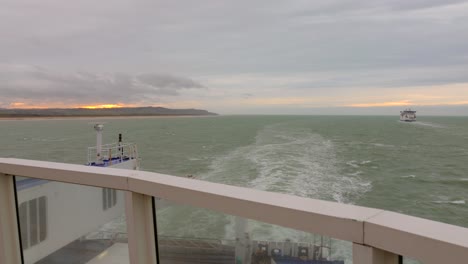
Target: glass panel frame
{"x": 23, "y": 222}
{"x": 33, "y": 222}
{"x": 197, "y": 234}
{"x": 64, "y": 222}
{"x": 42, "y": 218}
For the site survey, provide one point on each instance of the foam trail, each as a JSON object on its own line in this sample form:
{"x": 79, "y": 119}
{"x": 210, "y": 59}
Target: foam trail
{"x": 428, "y": 124}
{"x": 451, "y": 202}
{"x": 300, "y": 163}
{"x": 289, "y": 161}
{"x": 383, "y": 145}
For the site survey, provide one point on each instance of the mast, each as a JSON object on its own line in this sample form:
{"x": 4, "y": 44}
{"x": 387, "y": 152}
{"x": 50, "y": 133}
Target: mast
{"x": 98, "y": 128}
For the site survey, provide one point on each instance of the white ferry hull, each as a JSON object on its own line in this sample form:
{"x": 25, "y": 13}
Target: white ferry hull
{"x": 408, "y": 115}
{"x": 70, "y": 211}
{"x": 408, "y": 120}
{"x": 66, "y": 206}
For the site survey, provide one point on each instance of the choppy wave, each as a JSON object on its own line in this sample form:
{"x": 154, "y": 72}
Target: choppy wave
{"x": 352, "y": 163}
{"x": 383, "y": 145}
{"x": 408, "y": 176}
{"x": 357, "y": 164}
{"x": 444, "y": 181}
{"x": 356, "y": 173}
{"x": 451, "y": 202}
{"x": 45, "y": 139}
{"x": 428, "y": 124}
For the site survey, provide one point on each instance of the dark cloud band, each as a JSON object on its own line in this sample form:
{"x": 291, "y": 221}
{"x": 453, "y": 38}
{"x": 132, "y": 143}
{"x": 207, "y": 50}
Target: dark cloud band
{"x": 20, "y": 82}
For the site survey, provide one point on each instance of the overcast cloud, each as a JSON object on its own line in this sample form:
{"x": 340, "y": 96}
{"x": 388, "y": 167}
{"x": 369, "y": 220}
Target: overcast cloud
{"x": 26, "y": 86}
{"x": 236, "y": 56}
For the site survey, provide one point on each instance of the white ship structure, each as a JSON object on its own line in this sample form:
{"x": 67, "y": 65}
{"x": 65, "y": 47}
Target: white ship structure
{"x": 408, "y": 115}
{"x": 44, "y": 206}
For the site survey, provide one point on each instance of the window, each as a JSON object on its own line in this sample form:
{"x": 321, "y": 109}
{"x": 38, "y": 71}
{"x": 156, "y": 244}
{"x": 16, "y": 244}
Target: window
{"x": 109, "y": 198}
{"x": 33, "y": 221}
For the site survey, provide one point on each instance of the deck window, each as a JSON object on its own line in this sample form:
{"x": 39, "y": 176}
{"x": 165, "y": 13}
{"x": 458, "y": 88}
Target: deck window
{"x": 33, "y": 221}
{"x": 109, "y": 198}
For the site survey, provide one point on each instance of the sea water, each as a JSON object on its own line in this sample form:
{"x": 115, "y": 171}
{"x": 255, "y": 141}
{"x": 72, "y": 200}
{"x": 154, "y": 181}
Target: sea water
{"x": 418, "y": 168}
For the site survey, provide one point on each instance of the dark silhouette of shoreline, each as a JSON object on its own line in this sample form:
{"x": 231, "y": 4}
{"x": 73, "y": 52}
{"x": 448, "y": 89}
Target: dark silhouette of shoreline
{"x": 102, "y": 112}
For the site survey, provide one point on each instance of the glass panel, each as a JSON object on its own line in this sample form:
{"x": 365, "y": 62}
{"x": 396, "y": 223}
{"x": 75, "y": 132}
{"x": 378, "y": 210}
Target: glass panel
{"x": 66, "y": 223}
{"x": 33, "y": 226}
{"x": 114, "y": 197}
{"x": 104, "y": 199}
{"x": 109, "y": 198}
{"x": 407, "y": 260}
{"x": 193, "y": 235}
{"x": 42, "y": 218}
{"x": 23, "y": 215}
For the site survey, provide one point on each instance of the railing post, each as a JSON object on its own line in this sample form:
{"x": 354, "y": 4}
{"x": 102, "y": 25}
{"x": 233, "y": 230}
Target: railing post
{"x": 10, "y": 250}
{"x": 140, "y": 228}
{"x": 363, "y": 254}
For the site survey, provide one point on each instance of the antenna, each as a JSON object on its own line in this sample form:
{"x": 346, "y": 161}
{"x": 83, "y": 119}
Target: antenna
{"x": 120, "y": 149}
{"x": 98, "y": 128}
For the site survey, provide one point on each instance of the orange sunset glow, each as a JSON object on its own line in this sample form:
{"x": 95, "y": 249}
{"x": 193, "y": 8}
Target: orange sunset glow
{"x": 383, "y": 104}
{"x": 102, "y": 106}
{"x": 32, "y": 105}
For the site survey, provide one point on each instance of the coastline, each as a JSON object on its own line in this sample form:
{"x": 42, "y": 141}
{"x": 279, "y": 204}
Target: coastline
{"x": 29, "y": 118}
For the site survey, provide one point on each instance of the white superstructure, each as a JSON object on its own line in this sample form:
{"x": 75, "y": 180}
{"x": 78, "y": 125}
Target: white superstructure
{"x": 116, "y": 155}
{"x": 59, "y": 207}
{"x": 408, "y": 115}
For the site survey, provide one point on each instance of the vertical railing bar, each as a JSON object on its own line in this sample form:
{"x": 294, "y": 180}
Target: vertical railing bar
{"x": 18, "y": 220}
{"x": 155, "y": 224}
{"x": 400, "y": 259}
{"x": 140, "y": 236}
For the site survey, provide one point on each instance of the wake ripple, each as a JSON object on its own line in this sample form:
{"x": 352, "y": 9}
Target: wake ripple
{"x": 281, "y": 159}
{"x": 428, "y": 124}
{"x": 451, "y": 202}
{"x": 288, "y": 161}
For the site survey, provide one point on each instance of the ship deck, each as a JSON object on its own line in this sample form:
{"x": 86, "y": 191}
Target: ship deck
{"x": 172, "y": 251}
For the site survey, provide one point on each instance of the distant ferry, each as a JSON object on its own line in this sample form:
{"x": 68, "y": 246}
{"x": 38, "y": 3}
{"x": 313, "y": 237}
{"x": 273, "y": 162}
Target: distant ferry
{"x": 408, "y": 115}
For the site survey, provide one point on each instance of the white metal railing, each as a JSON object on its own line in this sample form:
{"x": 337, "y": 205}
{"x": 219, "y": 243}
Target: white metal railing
{"x": 112, "y": 151}
{"x": 378, "y": 236}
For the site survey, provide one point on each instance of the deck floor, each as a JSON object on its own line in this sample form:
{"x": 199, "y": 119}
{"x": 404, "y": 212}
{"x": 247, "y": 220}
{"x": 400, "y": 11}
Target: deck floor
{"x": 116, "y": 254}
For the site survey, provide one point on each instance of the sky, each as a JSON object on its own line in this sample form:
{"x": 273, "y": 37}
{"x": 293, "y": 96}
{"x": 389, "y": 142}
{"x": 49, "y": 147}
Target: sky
{"x": 237, "y": 57}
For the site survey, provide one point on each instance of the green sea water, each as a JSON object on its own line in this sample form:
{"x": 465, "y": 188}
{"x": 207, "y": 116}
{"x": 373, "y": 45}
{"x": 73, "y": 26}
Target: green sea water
{"x": 419, "y": 168}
